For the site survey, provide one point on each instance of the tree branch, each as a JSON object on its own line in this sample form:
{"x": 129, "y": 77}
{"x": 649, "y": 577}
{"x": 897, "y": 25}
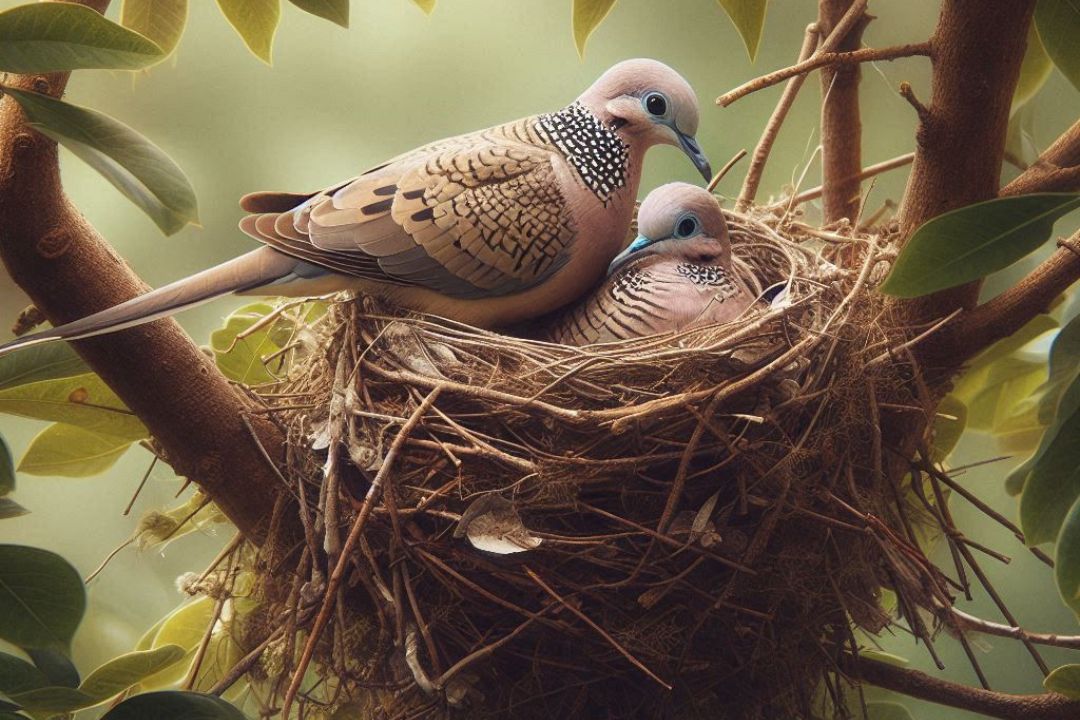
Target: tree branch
{"x": 841, "y": 122}
{"x": 772, "y": 128}
{"x": 1045, "y": 706}
{"x": 977, "y": 49}
{"x": 69, "y": 271}
{"x": 969, "y": 622}
{"x": 1056, "y": 170}
{"x": 1000, "y": 317}
{"x": 822, "y": 60}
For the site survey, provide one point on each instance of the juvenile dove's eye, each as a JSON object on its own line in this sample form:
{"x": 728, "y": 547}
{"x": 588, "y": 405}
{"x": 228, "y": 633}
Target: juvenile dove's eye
{"x": 686, "y": 227}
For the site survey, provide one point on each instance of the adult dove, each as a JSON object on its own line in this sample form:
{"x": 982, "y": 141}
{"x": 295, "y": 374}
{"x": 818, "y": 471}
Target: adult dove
{"x": 677, "y": 274}
{"x": 487, "y": 228}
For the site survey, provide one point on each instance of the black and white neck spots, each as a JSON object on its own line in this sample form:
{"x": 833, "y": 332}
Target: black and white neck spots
{"x": 710, "y": 275}
{"x": 595, "y": 151}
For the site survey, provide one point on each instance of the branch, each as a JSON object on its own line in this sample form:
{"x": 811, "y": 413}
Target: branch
{"x": 1056, "y": 170}
{"x": 841, "y": 122}
{"x": 868, "y": 172}
{"x": 1000, "y": 317}
{"x": 976, "y": 624}
{"x": 69, "y": 271}
{"x": 977, "y": 49}
{"x": 1045, "y": 706}
{"x": 772, "y": 128}
{"x": 854, "y": 57}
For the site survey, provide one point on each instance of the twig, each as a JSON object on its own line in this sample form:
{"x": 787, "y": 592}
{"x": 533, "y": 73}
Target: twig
{"x": 970, "y": 622}
{"x": 908, "y": 93}
{"x": 868, "y": 172}
{"x": 772, "y": 128}
{"x": 601, "y": 631}
{"x": 1046, "y": 706}
{"x": 725, "y": 170}
{"x": 350, "y": 542}
{"x": 820, "y": 60}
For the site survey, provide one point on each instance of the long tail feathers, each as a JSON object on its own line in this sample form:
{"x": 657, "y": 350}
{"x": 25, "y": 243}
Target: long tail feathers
{"x": 260, "y": 267}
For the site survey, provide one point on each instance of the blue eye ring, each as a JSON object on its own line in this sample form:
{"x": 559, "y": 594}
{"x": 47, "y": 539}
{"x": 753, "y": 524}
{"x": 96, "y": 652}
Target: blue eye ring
{"x": 655, "y": 104}
{"x": 686, "y": 226}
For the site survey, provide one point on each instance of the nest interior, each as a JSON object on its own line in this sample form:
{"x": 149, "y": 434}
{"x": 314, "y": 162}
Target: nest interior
{"x": 680, "y": 526}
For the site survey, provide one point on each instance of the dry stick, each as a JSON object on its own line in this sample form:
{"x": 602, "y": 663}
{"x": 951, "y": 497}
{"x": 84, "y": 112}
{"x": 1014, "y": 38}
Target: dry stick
{"x": 976, "y": 624}
{"x": 768, "y": 136}
{"x": 725, "y": 170}
{"x": 868, "y": 172}
{"x": 820, "y": 60}
{"x": 601, "y": 631}
{"x": 350, "y": 542}
{"x": 1046, "y": 706}
{"x": 483, "y": 652}
{"x": 142, "y": 484}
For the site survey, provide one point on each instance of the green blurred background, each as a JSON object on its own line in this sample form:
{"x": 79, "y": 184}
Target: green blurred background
{"x": 337, "y": 101}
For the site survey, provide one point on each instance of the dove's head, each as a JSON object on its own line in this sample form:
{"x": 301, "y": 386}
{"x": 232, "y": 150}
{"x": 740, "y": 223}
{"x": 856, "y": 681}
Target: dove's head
{"x": 681, "y": 221}
{"x": 648, "y": 103}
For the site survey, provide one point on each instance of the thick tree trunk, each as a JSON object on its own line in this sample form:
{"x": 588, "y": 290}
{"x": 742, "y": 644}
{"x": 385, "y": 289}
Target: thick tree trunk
{"x": 69, "y": 271}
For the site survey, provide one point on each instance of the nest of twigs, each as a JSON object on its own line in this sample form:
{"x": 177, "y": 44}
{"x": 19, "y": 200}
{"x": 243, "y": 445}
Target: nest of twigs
{"x": 680, "y": 526}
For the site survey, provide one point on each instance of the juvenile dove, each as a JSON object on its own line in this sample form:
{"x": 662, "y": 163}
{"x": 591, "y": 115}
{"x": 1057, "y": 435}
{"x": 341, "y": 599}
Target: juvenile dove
{"x": 676, "y": 274}
{"x": 487, "y": 228}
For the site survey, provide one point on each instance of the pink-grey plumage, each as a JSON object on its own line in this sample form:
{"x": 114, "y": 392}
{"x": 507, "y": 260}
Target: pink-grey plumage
{"x": 486, "y": 228}
{"x": 678, "y": 274}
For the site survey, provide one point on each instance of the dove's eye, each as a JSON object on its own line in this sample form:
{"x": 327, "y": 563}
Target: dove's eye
{"x": 687, "y": 226}
{"x": 656, "y": 104}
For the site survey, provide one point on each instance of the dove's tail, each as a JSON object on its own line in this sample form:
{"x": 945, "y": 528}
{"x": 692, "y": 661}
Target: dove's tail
{"x": 263, "y": 267}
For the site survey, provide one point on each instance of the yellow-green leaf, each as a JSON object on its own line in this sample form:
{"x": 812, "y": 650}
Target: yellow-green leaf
{"x": 948, "y": 426}
{"x": 242, "y": 358}
{"x": 162, "y": 21}
{"x": 122, "y": 672}
{"x": 184, "y": 627}
{"x": 974, "y": 241}
{"x": 1064, "y": 680}
{"x": 587, "y": 15}
{"x": 49, "y": 701}
{"x": 1034, "y": 70}
{"x": 255, "y": 21}
{"x": 748, "y": 16}
{"x": 68, "y": 451}
{"x": 1053, "y": 473}
{"x": 135, "y": 166}
{"x": 428, "y": 6}
{"x": 1058, "y": 22}
{"x": 82, "y": 400}
{"x": 40, "y": 362}
{"x": 336, "y": 11}
{"x": 54, "y": 36}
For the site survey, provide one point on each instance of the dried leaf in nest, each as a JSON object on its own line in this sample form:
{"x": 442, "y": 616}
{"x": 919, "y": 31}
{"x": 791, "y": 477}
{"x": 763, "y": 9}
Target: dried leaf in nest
{"x": 492, "y": 524}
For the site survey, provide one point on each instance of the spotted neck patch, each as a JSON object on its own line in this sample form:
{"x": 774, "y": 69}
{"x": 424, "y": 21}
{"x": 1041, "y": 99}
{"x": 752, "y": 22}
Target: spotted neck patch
{"x": 595, "y": 151}
{"x": 708, "y": 275}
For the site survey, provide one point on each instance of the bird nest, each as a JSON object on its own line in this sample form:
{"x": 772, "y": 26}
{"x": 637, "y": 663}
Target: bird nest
{"x": 692, "y": 525}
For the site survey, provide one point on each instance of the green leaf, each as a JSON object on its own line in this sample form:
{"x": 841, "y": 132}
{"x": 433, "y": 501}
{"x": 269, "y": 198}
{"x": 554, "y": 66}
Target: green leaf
{"x": 17, "y": 675}
{"x": 54, "y": 37}
{"x": 748, "y": 17}
{"x": 336, "y": 11}
{"x": 9, "y": 509}
{"x": 136, "y": 167}
{"x": 122, "y": 672}
{"x": 974, "y": 241}
{"x": 52, "y": 700}
{"x": 1064, "y": 680}
{"x": 255, "y": 21}
{"x": 82, "y": 400}
{"x": 886, "y": 711}
{"x": 68, "y": 451}
{"x": 242, "y": 359}
{"x": 42, "y": 599}
{"x": 1067, "y": 559}
{"x": 1053, "y": 474}
{"x": 428, "y": 6}
{"x": 7, "y": 468}
{"x": 174, "y": 705}
{"x": 1034, "y": 70}
{"x": 587, "y": 15}
{"x": 40, "y": 362}
{"x": 56, "y": 666}
{"x": 162, "y": 21}
{"x": 1058, "y": 22}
